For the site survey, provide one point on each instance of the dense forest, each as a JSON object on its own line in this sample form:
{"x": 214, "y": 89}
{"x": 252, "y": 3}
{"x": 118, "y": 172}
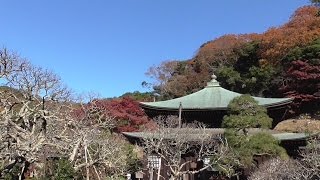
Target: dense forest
{"x": 48, "y": 132}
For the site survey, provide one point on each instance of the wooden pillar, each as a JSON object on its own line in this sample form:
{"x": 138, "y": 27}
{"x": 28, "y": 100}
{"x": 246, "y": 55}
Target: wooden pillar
{"x": 180, "y": 114}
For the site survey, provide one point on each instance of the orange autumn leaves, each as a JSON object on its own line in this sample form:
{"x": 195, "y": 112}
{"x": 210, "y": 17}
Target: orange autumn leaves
{"x": 248, "y": 60}
{"x": 303, "y": 28}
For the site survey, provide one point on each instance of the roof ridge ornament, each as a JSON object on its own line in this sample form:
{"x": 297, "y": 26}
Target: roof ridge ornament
{"x": 213, "y": 82}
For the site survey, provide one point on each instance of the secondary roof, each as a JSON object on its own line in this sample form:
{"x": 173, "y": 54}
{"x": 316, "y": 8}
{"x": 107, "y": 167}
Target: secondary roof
{"x": 171, "y": 133}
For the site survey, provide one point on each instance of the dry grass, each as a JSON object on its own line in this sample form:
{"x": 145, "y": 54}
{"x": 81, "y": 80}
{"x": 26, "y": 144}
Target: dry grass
{"x": 299, "y": 125}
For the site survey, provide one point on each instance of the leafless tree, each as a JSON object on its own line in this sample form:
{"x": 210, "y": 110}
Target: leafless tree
{"x": 276, "y": 169}
{"x": 94, "y": 146}
{"x": 29, "y": 98}
{"x": 171, "y": 143}
{"x": 305, "y": 168}
{"x": 310, "y": 161}
{"x": 38, "y": 119}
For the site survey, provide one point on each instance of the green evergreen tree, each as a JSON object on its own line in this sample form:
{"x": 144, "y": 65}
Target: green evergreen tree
{"x": 245, "y": 113}
{"x": 64, "y": 170}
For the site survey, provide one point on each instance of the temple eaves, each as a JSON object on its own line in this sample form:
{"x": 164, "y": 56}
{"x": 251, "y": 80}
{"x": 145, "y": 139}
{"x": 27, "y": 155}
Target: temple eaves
{"x": 212, "y": 97}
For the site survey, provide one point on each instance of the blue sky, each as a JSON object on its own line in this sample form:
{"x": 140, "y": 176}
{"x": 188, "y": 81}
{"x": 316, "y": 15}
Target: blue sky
{"x": 106, "y": 46}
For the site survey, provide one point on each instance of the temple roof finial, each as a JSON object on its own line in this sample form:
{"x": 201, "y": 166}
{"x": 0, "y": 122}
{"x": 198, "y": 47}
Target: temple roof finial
{"x": 213, "y": 81}
{"x": 214, "y": 78}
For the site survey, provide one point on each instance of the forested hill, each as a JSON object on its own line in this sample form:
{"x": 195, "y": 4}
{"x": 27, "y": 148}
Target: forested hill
{"x": 281, "y": 62}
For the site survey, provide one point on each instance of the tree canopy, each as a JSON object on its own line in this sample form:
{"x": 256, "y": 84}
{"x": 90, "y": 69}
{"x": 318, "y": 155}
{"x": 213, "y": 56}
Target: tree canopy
{"x": 266, "y": 64}
{"x": 245, "y": 113}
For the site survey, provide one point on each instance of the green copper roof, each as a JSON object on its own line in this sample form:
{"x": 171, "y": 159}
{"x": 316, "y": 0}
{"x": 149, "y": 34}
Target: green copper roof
{"x": 213, "y": 96}
{"x": 171, "y": 133}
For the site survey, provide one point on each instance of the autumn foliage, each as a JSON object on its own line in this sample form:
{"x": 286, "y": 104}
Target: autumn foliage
{"x": 125, "y": 114}
{"x": 303, "y": 83}
{"x": 303, "y": 28}
{"x": 281, "y": 62}
{"x": 221, "y": 50}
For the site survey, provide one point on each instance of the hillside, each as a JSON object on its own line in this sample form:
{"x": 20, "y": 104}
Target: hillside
{"x": 281, "y": 62}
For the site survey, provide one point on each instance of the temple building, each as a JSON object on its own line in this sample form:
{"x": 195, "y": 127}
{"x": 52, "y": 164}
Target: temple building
{"x": 210, "y": 104}
{"x": 153, "y": 164}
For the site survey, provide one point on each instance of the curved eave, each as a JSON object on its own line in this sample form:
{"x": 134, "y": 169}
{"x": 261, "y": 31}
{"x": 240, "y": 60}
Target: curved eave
{"x": 291, "y": 136}
{"x": 146, "y": 106}
{"x": 281, "y": 136}
{"x": 282, "y": 103}
{"x": 151, "y": 107}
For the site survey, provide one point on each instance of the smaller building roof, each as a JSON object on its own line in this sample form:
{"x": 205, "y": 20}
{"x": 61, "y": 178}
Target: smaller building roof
{"x": 171, "y": 133}
{"x": 212, "y": 97}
